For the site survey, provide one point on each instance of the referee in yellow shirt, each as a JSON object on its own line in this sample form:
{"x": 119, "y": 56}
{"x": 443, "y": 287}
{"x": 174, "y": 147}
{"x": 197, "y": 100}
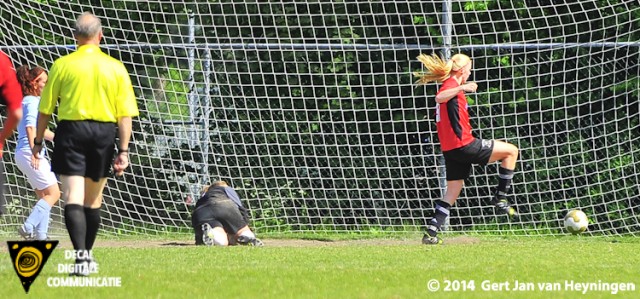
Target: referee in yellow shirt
{"x": 94, "y": 93}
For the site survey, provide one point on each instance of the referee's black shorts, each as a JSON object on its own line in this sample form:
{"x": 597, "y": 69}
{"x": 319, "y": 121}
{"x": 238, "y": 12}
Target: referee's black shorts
{"x": 83, "y": 148}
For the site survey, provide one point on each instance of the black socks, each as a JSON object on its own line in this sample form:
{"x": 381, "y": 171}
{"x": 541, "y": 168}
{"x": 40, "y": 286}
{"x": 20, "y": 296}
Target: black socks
{"x": 504, "y": 183}
{"x": 76, "y": 223}
{"x": 92, "y": 217}
{"x": 82, "y": 224}
{"x": 440, "y": 214}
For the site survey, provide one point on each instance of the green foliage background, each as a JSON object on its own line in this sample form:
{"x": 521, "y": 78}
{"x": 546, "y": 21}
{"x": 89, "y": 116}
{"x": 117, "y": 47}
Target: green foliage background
{"x": 311, "y": 111}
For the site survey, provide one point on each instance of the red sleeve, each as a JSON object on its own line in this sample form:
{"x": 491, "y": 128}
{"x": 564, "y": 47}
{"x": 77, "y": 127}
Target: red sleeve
{"x": 10, "y": 90}
{"x": 447, "y": 84}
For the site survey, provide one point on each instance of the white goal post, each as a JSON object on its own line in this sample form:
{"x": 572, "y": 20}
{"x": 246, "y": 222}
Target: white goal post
{"x": 309, "y": 110}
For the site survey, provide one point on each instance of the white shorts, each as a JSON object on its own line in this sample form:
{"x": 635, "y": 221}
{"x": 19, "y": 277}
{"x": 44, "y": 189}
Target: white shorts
{"x": 40, "y": 178}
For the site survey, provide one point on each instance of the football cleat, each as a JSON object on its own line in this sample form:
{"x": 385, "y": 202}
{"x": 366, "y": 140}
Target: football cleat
{"x": 429, "y": 240}
{"x": 207, "y": 234}
{"x": 24, "y": 234}
{"x": 244, "y": 240}
{"x": 503, "y": 207}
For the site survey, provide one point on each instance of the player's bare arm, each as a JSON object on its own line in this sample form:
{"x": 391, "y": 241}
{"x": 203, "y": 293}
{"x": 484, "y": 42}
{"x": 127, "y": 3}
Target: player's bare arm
{"x": 446, "y": 95}
{"x": 43, "y": 121}
{"x": 13, "y": 118}
{"x": 124, "y": 135}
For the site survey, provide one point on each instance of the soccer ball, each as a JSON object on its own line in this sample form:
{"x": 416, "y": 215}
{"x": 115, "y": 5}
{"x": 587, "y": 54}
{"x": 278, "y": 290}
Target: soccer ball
{"x": 576, "y": 222}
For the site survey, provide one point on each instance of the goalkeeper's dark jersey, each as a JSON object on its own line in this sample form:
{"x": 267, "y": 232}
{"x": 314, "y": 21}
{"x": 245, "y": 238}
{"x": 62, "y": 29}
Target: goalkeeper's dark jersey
{"x": 222, "y": 193}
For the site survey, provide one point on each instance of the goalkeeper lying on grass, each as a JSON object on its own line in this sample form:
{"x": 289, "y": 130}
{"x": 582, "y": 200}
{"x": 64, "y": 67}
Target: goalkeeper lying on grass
{"x": 220, "y": 219}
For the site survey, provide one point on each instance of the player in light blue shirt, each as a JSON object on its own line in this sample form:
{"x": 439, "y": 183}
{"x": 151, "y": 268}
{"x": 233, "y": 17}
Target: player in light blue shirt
{"x": 37, "y": 170}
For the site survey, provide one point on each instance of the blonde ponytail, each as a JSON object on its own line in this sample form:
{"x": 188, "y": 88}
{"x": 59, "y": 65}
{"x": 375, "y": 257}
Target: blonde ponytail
{"x": 439, "y": 70}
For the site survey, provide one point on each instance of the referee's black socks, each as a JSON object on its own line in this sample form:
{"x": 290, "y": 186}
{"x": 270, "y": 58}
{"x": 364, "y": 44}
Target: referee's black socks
{"x": 92, "y": 217}
{"x": 76, "y": 223}
{"x": 82, "y": 224}
{"x": 440, "y": 214}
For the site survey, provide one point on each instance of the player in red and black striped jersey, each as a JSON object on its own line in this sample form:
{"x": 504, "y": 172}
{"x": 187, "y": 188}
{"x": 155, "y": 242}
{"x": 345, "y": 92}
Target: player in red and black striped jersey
{"x": 11, "y": 96}
{"x": 459, "y": 147}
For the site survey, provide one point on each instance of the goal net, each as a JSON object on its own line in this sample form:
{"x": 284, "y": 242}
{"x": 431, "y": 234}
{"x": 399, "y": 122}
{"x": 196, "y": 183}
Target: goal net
{"x": 309, "y": 110}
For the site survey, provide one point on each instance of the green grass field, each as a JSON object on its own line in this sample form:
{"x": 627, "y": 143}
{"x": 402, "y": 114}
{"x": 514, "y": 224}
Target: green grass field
{"x": 372, "y": 268}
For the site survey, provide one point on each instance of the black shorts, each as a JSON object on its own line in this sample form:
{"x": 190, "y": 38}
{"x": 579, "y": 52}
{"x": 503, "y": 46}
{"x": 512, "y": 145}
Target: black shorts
{"x": 220, "y": 213}
{"x": 459, "y": 161}
{"x": 83, "y": 148}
